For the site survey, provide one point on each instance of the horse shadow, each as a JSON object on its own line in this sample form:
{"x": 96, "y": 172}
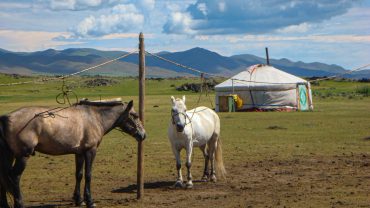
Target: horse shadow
{"x": 152, "y": 185}
{"x": 165, "y": 185}
{"x": 54, "y": 204}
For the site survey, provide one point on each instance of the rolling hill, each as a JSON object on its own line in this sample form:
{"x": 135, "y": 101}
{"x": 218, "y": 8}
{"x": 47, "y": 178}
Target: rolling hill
{"x": 74, "y": 59}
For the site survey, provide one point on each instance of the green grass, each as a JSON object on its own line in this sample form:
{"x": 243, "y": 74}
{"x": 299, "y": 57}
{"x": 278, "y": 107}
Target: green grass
{"x": 346, "y": 89}
{"x": 336, "y": 127}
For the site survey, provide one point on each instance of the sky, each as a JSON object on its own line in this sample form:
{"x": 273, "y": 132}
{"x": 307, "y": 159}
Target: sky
{"x": 328, "y": 31}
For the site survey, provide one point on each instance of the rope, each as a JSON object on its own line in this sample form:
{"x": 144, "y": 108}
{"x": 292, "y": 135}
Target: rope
{"x": 182, "y": 66}
{"x": 69, "y": 75}
{"x": 63, "y": 97}
{"x": 51, "y": 113}
{"x": 348, "y": 72}
{"x": 204, "y": 88}
{"x": 99, "y": 65}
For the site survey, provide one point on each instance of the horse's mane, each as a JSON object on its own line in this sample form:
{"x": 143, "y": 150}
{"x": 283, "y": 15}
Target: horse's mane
{"x": 111, "y": 102}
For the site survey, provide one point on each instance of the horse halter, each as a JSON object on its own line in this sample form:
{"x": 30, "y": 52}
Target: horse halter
{"x": 178, "y": 113}
{"x": 128, "y": 118}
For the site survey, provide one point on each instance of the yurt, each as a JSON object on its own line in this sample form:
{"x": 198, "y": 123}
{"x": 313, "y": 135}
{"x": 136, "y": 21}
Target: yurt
{"x": 263, "y": 88}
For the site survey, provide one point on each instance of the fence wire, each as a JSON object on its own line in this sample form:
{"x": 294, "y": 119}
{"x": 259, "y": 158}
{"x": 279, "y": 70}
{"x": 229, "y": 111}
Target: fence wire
{"x": 183, "y": 66}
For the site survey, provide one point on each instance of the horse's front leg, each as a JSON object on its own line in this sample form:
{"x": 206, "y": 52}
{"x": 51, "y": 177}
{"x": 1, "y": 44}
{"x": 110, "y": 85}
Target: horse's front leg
{"x": 18, "y": 168}
{"x": 189, "y": 149}
{"x": 79, "y": 168}
{"x": 89, "y": 159}
{"x": 179, "y": 181}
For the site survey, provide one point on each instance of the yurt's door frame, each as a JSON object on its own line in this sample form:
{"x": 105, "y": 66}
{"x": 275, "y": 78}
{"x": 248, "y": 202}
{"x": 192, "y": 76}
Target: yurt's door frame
{"x": 303, "y": 88}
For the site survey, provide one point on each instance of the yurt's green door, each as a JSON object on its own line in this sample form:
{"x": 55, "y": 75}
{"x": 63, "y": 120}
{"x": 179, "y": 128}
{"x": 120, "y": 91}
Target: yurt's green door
{"x": 302, "y": 98}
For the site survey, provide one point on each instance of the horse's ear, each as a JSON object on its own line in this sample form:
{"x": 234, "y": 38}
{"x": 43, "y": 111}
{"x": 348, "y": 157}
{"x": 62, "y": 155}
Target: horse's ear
{"x": 173, "y": 99}
{"x": 183, "y": 98}
{"x": 129, "y": 106}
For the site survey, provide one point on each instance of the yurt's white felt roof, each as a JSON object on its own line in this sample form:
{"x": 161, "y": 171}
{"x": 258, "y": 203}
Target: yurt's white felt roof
{"x": 260, "y": 77}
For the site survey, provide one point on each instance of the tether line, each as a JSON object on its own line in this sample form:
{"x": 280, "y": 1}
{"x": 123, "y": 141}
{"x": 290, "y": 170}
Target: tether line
{"x": 182, "y": 66}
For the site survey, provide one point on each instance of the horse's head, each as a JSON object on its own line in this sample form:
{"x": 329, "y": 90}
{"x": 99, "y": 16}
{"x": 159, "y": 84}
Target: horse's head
{"x": 178, "y": 113}
{"x": 130, "y": 122}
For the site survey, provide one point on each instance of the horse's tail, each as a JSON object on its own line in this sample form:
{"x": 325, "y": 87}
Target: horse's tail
{"x": 6, "y": 160}
{"x": 220, "y": 168}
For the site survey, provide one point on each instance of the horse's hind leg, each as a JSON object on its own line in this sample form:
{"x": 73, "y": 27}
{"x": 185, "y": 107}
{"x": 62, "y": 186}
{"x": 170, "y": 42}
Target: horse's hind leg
{"x": 89, "y": 159}
{"x": 79, "y": 172}
{"x": 206, "y": 160}
{"x": 18, "y": 168}
{"x": 211, "y": 152}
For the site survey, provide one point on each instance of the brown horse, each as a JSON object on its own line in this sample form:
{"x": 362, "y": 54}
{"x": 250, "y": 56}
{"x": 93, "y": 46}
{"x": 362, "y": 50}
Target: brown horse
{"x": 78, "y": 130}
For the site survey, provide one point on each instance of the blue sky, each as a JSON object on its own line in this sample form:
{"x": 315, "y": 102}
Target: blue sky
{"x": 329, "y": 31}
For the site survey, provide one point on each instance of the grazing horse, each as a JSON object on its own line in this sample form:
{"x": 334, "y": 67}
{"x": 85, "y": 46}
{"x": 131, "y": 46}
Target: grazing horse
{"x": 78, "y": 130}
{"x": 199, "y": 127}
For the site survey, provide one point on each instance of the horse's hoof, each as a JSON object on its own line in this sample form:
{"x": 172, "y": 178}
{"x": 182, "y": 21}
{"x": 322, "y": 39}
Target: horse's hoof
{"x": 213, "y": 178}
{"x": 81, "y": 203}
{"x": 189, "y": 185}
{"x": 179, "y": 184}
{"x": 91, "y": 205}
{"x": 204, "y": 179}
{"x": 78, "y": 201}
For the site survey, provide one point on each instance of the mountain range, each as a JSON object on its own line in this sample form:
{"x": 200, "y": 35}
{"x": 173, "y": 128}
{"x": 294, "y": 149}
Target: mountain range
{"x": 75, "y": 59}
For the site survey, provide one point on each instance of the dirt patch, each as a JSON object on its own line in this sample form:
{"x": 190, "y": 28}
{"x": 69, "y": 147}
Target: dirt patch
{"x": 302, "y": 181}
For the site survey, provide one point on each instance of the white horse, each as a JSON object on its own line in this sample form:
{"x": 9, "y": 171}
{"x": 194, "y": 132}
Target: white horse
{"x": 199, "y": 127}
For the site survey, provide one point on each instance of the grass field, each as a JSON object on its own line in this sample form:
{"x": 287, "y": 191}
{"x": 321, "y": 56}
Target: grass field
{"x": 273, "y": 159}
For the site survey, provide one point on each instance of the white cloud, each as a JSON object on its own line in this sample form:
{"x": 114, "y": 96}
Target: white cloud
{"x": 123, "y": 36}
{"x": 147, "y": 5}
{"x": 221, "y": 6}
{"x": 202, "y": 7}
{"x": 301, "y": 28}
{"x": 179, "y": 23}
{"x": 275, "y": 38}
{"x": 256, "y": 16}
{"x": 118, "y": 36}
{"x": 122, "y": 18}
{"x": 74, "y": 4}
{"x": 340, "y": 38}
{"x": 62, "y": 5}
{"x": 19, "y": 40}
{"x": 15, "y": 5}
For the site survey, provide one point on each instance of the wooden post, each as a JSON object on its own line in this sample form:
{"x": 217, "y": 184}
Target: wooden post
{"x": 267, "y": 56}
{"x": 140, "y": 151}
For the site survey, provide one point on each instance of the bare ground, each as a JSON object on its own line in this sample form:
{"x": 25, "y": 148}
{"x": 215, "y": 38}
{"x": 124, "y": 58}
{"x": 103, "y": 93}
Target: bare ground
{"x": 302, "y": 181}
